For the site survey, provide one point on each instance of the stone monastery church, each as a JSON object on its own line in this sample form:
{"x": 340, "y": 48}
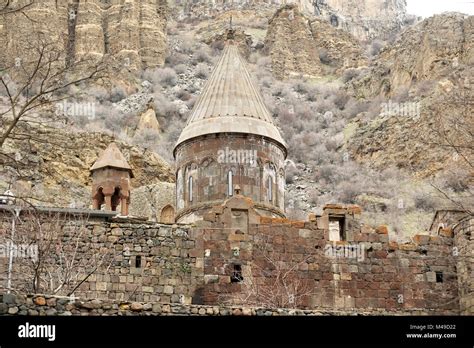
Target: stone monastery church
{"x": 226, "y": 241}
{"x": 230, "y": 143}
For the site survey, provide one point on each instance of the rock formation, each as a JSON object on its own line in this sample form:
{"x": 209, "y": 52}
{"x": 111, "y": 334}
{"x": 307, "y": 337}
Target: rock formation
{"x": 430, "y": 67}
{"x": 295, "y": 43}
{"x": 365, "y": 20}
{"x": 290, "y": 43}
{"x": 428, "y": 51}
{"x": 149, "y": 200}
{"x": 57, "y": 170}
{"x": 148, "y": 121}
{"x": 343, "y": 50}
{"x": 133, "y": 32}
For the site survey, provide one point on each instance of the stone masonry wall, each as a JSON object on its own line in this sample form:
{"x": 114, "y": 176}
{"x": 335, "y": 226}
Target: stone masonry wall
{"x": 167, "y": 272}
{"x": 235, "y": 257}
{"x": 166, "y": 269}
{"x": 248, "y": 157}
{"x": 41, "y": 305}
{"x": 386, "y": 276}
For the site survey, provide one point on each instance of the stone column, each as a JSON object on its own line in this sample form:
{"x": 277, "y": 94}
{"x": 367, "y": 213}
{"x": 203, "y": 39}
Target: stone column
{"x": 108, "y": 202}
{"x": 124, "y": 206}
{"x": 95, "y": 204}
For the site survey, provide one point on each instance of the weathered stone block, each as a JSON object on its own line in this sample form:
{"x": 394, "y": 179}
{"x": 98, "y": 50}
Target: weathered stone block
{"x": 148, "y": 289}
{"x": 298, "y": 224}
{"x": 164, "y": 232}
{"x": 117, "y": 232}
{"x": 156, "y": 308}
{"x": 346, "y": 276}
{"x": 112, "y": 239}
{"x": 3, "y": 308}
{"x": 431, "y": 277}
{"x": 9, "y": 298}
{"x": 304, "y": 233}
{"x": 31, "y": 312}
{"x": 51, "y": 312}
{"x": 237, "y": 237}
{"x": 39, "y": 301}
{"x": 211, "y": 278}
{"x": 237, "y": 311}
{"x": 353, "y": 269}
{"x": 224, "y": 279}
{"x": 101, "y": 286}
{"x": 136, "y": 307}
{"x": 13, "y": 310}
{"x": 421, "y": 239}
{"x": 246, "y": 311}
{"x": 408, "y": 247}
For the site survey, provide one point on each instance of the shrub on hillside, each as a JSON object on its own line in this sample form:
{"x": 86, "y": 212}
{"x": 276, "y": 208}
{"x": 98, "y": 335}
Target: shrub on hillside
{"x": 176, "y": 58}
{"x": 201, "y": 71}
{"x": 201, "y": 55}
{"x": 376, "y": 47}
{"x": 163, "y": 76}
{"x": 183, "y": 95}
{"x": 180, "y": 69}
{"x": 350, "y": 74}
{"x": 324, "y": 56}
{"x": 187, "y": 46}
{"x": 117, "y": 94}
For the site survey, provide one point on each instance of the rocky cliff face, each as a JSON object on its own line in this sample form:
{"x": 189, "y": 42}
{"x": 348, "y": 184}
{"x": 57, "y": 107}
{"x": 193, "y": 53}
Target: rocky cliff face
{"x": 290, "y": 43}
{"x": 132, "y": 31}
{"x": 366, "y": 19}
{"x": 296, "y": 42}
{"x": 55, "y": 167}
{"x": 428, "y": 51}
{"x": 426, "y": 76}
{"x": 208, "y": 8}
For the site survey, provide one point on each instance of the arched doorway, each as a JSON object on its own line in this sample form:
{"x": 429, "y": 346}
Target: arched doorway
{"x": 167, "y": 215}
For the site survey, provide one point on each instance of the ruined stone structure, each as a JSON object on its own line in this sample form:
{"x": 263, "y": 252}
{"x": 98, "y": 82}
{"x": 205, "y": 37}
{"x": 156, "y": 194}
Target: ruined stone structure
{"x": 230, "y": 139}
{"x": 111, "y": 176}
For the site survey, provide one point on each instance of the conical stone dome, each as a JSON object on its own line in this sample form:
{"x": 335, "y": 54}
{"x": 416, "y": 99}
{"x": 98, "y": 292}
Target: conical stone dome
{"x": 112, "y": 157}
{"x": 230, "y": 103}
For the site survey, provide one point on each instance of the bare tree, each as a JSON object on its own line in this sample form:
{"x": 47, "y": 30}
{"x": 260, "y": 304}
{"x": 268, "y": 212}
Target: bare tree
{"x": 54, "y": 246}
{"x": 32, "y": 85}
{"x": 273, "y": 279}
{"x": 31, "y": 89}
{"x": 9, "y": 6}
{"x": 453, "y": 134}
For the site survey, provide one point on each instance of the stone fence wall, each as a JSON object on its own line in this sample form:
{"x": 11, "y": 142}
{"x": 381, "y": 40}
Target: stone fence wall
{"x": 234, "y": 253}
{"x": 43, "y": 305}
{"x": 119, "y": 259}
